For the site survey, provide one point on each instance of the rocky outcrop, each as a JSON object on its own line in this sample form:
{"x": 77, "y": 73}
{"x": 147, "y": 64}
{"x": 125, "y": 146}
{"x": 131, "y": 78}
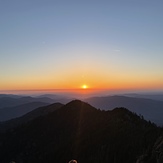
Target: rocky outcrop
{"x": 157, "y": 152}
{"x": 155, "y": 155}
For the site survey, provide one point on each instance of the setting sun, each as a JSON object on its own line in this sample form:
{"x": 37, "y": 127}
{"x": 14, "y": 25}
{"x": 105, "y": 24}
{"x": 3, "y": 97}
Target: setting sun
{"x": 84, "y": 86}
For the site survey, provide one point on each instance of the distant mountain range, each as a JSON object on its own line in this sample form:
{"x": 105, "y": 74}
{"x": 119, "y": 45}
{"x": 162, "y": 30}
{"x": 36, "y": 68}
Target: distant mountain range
{"x": 17, "y": 111}
{"x": 151, "y": 109}
{"x": 10, "y": 95}
{"x": 40, "y": 111}
{"x": 156, "y": 96}
{"x": 12, "y": 102}
{"x": 59, "y": 133}
{"x": 13, "y": 106}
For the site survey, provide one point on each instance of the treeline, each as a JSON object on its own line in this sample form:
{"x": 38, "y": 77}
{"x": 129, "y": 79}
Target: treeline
{"x": 79, "y": 131}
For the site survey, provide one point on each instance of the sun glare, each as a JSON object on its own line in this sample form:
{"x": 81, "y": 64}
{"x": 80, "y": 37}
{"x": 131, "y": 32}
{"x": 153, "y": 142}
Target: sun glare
{"x": 84, "y": 86}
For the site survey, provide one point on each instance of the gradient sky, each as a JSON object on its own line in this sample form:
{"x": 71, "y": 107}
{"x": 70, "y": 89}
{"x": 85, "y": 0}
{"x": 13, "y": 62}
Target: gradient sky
{"x": 50, "y": 44}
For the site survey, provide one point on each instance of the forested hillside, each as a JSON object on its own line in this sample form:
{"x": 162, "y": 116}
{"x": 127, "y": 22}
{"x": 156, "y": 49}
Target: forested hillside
{"x": 79, "y": 131}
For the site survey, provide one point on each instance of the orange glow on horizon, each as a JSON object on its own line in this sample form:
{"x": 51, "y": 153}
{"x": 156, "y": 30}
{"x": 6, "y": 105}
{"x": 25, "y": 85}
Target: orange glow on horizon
{"x": 89, "y": 82}
{"x": 84, "y": 86}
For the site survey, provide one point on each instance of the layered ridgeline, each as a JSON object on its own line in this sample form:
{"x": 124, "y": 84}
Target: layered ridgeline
{"x": 13, "y": 106}
{"x": 40, "y": 111}
{"x": 151, "y": 109}
{"x": 79, "y": 131}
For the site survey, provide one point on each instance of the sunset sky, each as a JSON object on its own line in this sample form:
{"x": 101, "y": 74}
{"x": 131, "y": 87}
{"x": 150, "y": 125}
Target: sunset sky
{"x": 66, "y": 44}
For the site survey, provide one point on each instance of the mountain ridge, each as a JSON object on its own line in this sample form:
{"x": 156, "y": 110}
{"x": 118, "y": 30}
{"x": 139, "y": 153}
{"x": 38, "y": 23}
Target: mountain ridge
{"x": 19, "y": 110}
{"x": 40, "y": 111}
{"x": 78, "y": 130}
{"x": 150, "y": 109}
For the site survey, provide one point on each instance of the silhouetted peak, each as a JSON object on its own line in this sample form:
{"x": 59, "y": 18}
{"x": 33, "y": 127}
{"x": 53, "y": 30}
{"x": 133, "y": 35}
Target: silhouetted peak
{"x": 78, "y": 105}
{"x": 73, "y": 102}
{"x": 78, "y": 130}
{"x": 121, "y": 110}
{"x": 127, "y": 116}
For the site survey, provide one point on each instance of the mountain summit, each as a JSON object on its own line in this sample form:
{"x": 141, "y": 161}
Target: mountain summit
{"x": 78, "y": 130}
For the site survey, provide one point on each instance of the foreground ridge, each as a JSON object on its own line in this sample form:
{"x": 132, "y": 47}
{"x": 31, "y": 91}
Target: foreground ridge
{"x": 78, "y": 130}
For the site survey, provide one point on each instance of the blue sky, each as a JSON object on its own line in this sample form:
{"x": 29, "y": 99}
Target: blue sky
{"x": 55, "y": 41}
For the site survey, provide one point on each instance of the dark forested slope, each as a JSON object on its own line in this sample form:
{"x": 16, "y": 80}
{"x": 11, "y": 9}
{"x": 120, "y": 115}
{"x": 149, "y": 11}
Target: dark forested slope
{"x": 80, "y": 131}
